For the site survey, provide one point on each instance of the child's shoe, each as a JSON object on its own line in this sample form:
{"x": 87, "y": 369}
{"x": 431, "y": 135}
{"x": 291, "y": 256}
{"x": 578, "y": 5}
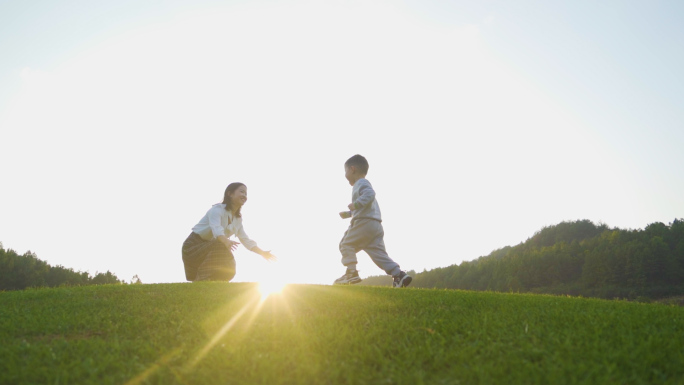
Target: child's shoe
{"x": 349, "y": 278}
{"x": 402, "y": 280}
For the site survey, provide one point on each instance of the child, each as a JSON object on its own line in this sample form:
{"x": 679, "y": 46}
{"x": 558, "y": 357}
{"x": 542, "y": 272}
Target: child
{"x": 365, "y": 231}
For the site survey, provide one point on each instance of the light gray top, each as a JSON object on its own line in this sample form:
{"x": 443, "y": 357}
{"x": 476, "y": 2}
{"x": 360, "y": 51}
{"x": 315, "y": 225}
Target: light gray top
{"x": 365, "y": 204}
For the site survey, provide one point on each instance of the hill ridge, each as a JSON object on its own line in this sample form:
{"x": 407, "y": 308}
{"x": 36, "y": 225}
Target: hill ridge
{"x": 573, "y": 258}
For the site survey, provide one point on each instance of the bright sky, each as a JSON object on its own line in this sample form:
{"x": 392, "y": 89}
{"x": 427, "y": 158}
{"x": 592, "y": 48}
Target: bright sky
{"x": 121, "y": 123}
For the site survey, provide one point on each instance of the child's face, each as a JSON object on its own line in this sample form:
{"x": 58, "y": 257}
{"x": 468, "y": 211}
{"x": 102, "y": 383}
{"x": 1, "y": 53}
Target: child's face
{"x": 350, "y": 174}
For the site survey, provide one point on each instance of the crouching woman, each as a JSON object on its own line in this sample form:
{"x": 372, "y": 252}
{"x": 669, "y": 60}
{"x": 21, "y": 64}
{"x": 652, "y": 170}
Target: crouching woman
{"x": 208, "y": 251}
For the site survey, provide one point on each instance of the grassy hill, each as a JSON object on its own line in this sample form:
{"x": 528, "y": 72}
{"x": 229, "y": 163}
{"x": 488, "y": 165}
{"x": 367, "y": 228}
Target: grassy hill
{"x": 219, "y": 333}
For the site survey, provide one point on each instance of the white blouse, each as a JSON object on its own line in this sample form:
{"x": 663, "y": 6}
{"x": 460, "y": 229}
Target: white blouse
{"x": 217, "y": 221}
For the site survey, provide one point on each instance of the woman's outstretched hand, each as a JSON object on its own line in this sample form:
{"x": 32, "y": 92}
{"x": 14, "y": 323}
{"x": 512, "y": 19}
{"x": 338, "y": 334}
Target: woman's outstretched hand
{"x": 268, "y": 256}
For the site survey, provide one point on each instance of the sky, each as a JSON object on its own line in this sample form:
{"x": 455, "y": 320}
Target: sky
{"x": 121, "y": 123}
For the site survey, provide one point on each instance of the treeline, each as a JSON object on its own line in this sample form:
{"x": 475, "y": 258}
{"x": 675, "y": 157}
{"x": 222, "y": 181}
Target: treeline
{"x": 575, "y": 258}
{"x": 18, "y": 272}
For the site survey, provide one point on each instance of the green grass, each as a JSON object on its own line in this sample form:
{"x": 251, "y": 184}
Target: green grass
{"x": 162, "y": 334}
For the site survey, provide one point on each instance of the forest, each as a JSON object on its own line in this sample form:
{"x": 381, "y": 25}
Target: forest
{"x": 18, "y": 272}
{"x": 576, "y": 258}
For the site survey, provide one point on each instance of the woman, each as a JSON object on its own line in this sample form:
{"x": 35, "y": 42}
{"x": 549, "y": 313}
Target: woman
{"x": 207, "y": 252}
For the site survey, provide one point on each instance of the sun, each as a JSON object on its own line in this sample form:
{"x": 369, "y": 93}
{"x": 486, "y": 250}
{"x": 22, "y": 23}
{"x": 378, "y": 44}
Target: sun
{"x": 270, "y": 287}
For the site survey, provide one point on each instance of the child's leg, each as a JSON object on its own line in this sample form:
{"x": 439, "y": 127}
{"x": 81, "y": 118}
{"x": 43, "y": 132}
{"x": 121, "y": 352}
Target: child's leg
{"x": 348, "y": 247}
{"x": 376, "y": 250}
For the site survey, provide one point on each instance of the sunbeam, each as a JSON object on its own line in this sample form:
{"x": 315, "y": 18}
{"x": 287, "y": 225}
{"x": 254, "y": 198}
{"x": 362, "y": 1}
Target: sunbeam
{"x": 222, "y": 332}
{"x": 266, "y": 289}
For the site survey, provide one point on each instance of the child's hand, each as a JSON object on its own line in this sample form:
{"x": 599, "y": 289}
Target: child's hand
{"x": 345, "y": 214}
{"x": 351, "y": 206}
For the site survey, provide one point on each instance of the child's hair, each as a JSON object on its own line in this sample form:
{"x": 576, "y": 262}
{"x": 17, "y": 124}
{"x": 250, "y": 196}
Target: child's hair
{"x": 226, "y": 197}
{"x": 359, "y": 162}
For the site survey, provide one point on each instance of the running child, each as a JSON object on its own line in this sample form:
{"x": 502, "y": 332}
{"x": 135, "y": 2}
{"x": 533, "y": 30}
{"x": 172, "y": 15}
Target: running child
{"x": 365, "y": 231}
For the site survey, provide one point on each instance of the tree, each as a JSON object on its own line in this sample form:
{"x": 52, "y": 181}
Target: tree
{"x": 19, "y": 272}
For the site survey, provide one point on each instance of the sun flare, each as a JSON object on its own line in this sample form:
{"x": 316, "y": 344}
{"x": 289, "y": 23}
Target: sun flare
{"x": 270, "y": 287}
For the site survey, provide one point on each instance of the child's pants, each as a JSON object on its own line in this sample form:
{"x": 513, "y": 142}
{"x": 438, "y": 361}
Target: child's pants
{"x": 367, "y": 235}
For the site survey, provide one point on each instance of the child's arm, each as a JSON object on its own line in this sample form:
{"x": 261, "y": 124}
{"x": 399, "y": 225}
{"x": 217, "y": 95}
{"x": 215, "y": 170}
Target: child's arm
{"x": 366, "y": 196}
{"x": 345, "y": 214}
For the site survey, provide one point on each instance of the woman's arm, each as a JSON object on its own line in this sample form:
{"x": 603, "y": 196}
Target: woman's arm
{"x": 214, "y": 218}
{"x": 251, "y": 245}
{"x": 266, "y": 254}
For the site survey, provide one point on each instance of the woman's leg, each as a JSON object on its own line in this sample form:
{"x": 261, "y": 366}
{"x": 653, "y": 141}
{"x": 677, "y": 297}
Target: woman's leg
{"x": 219, "y": 264}
{"x": 207, "y": 260}
{"x": 195, "y": 250}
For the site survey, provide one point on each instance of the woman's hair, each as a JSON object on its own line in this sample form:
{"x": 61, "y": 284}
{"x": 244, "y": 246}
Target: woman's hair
{"x": 226, "y": 197}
